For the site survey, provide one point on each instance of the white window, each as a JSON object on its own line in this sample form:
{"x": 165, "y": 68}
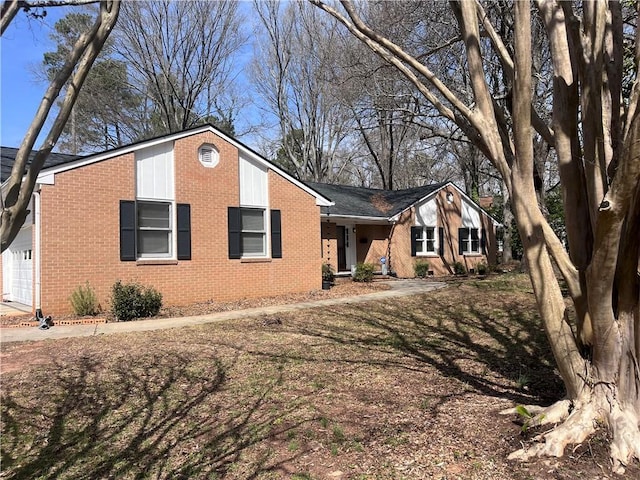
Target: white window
{"x": 154, "y": 229}
{"x": 253, "y": 236}
{"x": 469, "y": 241}
{"x": 208, "y": 155}
{"x": 426, "y": 243}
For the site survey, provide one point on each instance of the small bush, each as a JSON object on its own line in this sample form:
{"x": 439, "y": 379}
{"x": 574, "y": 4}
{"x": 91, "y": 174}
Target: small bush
{"x": 84, "y": 301}
{"x": 131, "y": 300}
{"x": 482, "y": 268}
{"x": 327, "y": 272}
{"x": 421, "y": 269}
{"x": 364, "y": 272}
{"x": 459, "y": 268}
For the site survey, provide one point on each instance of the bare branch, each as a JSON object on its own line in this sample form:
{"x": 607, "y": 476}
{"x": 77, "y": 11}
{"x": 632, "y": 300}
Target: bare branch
{"x": 75, "y": 69}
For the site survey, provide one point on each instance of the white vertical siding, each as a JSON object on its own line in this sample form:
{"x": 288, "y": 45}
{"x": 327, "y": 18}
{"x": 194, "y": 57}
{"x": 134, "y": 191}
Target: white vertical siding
{"x": 154, "y": 172}
{"x": 470, "y": 215}
{"x": 254, "y": 189}
{"x": 427, "y": 214}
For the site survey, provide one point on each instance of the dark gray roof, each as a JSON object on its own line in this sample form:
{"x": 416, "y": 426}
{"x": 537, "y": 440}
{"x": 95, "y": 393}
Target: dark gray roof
{"x": 8, "y": 157}
{"x": 370, "y": 202}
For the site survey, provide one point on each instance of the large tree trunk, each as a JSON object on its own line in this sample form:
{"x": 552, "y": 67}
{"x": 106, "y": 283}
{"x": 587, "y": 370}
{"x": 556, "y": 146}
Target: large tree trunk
{"x": 603, "y": 387}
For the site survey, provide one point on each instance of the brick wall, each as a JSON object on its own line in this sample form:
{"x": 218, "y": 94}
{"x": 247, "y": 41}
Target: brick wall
{"x": 80, "y": 233}
{"x": 372, "y": 243}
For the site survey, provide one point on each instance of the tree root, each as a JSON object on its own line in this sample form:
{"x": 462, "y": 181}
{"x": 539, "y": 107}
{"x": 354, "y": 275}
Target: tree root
{"x": 555, "y": 413}
{"x": 580, "y": 424}
{"x": 625, "y": 445}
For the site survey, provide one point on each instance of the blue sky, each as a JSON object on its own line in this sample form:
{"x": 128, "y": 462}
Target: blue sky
{"x": 21, "y": 50}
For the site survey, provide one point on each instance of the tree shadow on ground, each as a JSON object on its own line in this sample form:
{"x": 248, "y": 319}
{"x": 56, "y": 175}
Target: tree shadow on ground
{"x": 159, "y": 415}
{"x": 501, "y": 353}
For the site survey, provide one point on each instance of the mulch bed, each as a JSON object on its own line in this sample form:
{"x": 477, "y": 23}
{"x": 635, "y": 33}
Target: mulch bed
{"x": 343, "y": 288}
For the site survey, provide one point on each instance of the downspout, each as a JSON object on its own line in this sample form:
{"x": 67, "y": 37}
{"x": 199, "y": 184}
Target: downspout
{"x": 393, "y": 227}
{"x": 37, "y": 226}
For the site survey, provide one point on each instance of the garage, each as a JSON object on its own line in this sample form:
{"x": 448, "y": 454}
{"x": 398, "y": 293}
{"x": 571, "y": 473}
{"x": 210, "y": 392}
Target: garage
{"x": 17, "y": 271}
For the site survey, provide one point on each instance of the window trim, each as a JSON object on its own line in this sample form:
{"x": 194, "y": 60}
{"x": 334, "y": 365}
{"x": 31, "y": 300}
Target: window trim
{"x": 171, "y": 231}
{"x": 264, "y": 232}
{"x": 465, "y": 239}
{"x": 424, "y": 238}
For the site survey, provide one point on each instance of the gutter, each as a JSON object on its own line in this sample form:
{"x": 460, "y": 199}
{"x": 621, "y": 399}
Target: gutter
{"x": 355, "y": 218}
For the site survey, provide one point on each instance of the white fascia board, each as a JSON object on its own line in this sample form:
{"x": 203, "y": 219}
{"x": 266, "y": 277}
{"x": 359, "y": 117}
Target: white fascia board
{"x": 320, "y": 200}
{"x": 46, "y": 179}
{"x": 355, "y": 218}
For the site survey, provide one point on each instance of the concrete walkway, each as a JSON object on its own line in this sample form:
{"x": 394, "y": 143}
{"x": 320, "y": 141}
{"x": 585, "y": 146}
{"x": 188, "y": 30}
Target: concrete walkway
{"x": 399, "y": 288}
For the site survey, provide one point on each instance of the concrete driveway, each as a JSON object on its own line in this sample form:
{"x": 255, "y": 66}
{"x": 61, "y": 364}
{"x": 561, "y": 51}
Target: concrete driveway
{"x": 399, "y": 288}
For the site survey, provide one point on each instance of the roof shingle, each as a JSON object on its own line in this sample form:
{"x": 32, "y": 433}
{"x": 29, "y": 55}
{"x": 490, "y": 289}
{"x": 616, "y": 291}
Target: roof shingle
{"x": 370, "y": 202}
{"x": 8, "y": 157}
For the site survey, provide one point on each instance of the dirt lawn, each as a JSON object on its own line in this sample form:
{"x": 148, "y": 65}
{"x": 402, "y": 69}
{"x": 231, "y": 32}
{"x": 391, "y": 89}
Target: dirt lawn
{"x": 400, "y": 389}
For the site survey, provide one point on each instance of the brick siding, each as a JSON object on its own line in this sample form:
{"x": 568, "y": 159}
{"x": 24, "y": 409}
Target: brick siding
{"x": 80, "y": 233}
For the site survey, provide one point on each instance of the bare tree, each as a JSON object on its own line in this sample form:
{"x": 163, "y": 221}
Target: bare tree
{"x": 101, "y": 117}
{"x": 18, "y": 190}
{"x": 181, "y": 60}
{"x": 294, "y": 70}
{"x": 596, "y": 136}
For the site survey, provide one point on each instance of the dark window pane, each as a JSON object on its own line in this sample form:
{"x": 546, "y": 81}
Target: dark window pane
{"x": 253, "y": 220}
{"x": 253, "y": 244}
{"x": 153, "y": 242}
{"x": 153, "y": 215}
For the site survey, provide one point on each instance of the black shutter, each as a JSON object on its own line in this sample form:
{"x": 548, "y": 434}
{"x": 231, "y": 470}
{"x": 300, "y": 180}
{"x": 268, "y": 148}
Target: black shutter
{"x": 276, "y": 234}
{"x": 127, "y": 230}
{"x": 416, "y": 232}
{"x": 441, "y": 241}
{"x": 462, "y": 233}
{"x": 483, "y": 241}
{"x": 234, "y": 223}
{"x": 184, "y": 231}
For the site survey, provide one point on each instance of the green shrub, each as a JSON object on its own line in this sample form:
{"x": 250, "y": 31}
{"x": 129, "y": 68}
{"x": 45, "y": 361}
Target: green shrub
{"x": 364, "y": 272}
{"x": 459, "y": 268}
{"x": 84, "y": 301}
{"x": 327, "y": 272}
{"x": 131, "y": 300}
{"x": 421, "y": 268}
{"x": 482, "y": 268}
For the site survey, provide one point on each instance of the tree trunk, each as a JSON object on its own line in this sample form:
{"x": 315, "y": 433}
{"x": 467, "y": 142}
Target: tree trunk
{"x": 507, "y": 218}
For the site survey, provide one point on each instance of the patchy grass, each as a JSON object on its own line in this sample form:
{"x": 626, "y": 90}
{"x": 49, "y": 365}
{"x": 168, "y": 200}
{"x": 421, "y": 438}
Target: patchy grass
{"x": 400, "y": 389}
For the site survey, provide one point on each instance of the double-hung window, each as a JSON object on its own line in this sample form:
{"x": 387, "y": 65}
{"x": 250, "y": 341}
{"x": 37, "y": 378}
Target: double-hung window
{"x": 253, "y": 235}
{"x": 154, "y": 229}
{"x": 469, "y": 241}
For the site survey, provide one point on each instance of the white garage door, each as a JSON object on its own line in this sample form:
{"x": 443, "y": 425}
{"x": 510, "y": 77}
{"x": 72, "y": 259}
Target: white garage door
{"x": 19, "y": 257}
